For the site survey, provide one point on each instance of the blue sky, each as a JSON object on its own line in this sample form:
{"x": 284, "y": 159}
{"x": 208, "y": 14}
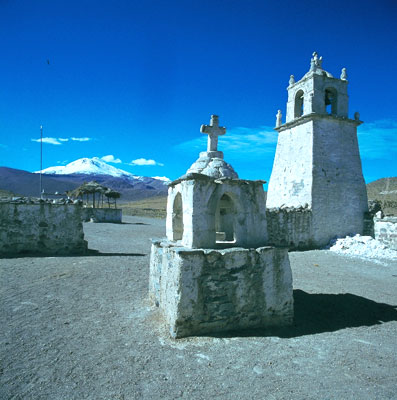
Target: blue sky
{"x": 132, "y": 81}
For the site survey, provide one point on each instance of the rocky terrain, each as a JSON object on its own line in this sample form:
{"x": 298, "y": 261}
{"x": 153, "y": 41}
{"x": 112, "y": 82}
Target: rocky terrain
{"x": 385, "y": 191}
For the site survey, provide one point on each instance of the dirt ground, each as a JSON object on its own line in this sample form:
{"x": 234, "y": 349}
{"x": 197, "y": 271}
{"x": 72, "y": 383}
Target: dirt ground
{"x": 82, "y": 328}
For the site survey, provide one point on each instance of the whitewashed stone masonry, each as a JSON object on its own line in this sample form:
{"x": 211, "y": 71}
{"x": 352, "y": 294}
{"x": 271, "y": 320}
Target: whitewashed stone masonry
{"x": 214, "y": 272}
{"x": 202, "y": 291}
{"x": 49, "y": 229}
{"x": 317, "y": 163}
{"x": 386, "y": 231}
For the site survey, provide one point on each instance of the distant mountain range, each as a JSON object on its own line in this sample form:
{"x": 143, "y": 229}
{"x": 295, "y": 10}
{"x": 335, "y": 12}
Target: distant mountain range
{"x": 64, "y": 178}
{"x": 132, "y": 187}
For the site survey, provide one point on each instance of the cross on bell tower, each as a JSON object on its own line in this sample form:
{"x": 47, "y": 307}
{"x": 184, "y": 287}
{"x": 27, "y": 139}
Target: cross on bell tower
{"x": 213, "y": 130}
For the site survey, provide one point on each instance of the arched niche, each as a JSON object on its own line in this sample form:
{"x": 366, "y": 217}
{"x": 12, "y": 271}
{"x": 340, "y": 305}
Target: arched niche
{"x": 298, "y": 107}
{"x": 177, "y": 218}
{"x": 225, "y": 217}
{"x": 331, "y": 101}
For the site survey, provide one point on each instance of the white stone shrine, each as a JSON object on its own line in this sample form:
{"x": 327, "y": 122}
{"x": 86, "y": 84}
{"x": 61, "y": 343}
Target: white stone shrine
{"x": 214, "y": 271}
{"x": 316, "y": 190}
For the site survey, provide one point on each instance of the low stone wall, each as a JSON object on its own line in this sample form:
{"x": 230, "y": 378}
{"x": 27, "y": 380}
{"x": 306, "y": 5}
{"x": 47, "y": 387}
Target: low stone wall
{"x": 111, "y": 215}
{"x": 386, "y": 231}
{"x": 204, "y": 290}
{"x": 41, "y": 227}
{"x": 369, "y": 224}
{"x": 290, "y": 227}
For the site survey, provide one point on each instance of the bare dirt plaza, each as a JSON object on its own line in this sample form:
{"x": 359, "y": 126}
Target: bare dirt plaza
{"x": 81, "y": 328}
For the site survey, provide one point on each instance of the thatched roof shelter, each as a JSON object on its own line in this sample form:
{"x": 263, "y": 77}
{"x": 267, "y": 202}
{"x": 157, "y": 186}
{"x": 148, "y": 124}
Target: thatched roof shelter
{"x": 91, "y": 188}
{"x": 112, "y": 194}
{"x": 88, "y": 188}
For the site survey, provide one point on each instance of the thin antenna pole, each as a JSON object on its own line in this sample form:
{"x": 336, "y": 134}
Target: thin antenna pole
{"x": 41, "y": 160}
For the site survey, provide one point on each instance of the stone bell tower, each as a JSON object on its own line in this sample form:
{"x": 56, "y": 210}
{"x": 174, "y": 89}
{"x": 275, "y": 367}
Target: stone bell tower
{"x": 317, "y": 164}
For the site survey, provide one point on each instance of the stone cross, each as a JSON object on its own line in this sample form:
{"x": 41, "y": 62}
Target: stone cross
{"x": 213, "y": 130}
{"x": 316, "y": 62}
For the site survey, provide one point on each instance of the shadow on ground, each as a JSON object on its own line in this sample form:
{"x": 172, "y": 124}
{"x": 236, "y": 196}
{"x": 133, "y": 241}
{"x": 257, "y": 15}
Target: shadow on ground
{"x": 98, "y": 253}
{"x": 89, "y": 253}
{"x": 318, "y": 313}
{"x": 133, "y": 223}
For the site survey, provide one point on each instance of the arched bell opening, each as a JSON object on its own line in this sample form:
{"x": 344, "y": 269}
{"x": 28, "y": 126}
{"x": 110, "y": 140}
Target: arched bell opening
{"x": 177, "y": 218}
{"x": 299, "y": 98}
{"x": 225, "y": 220}
{"x": 331, "y": 101}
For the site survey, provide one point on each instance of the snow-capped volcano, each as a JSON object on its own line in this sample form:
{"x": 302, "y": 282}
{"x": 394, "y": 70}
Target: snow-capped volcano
{"x": 96, "y": 166}
{"x": 88, "y": 166}
{"x": 162, "y": 178}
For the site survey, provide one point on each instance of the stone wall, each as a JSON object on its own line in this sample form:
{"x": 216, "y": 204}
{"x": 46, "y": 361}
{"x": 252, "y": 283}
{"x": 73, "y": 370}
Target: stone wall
{"x": 42, "y": 227}
{"x": 369, "y": 225}
{"x": 200, "y": 291}
{"x": 290, "y": 227}
{"x": 386, "y": 231}
{"x": 111, "y": 215}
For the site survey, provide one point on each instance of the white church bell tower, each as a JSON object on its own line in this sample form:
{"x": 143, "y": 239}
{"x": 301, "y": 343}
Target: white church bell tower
{"x": 317, "y": 164}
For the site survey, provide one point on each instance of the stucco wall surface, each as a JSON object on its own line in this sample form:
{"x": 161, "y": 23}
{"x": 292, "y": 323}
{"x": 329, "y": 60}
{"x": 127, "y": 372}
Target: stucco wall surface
{"x": 317, "y": 165}
{"x": 386, "y": 231}
{"x": 339, "y": 196}
{"x": 111, "y": 215}
{"x": 202, "y": 291}
{"x": 41, "y": 228}
{"x": 290, "y": 183}
{"x": 200, "y": 202}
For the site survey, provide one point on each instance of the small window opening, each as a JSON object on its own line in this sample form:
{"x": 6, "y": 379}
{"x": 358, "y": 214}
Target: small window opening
{"x": 299, "y": 99}
{"x": 177, "y": 218}
{"x": 331, "y": 101}
{"x": 224, "y": 220}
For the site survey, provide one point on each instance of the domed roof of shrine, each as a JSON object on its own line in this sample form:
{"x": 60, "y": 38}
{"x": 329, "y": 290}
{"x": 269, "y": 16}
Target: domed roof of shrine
{"x": 213, "y": 167}
{"x": 211, "y": 162}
